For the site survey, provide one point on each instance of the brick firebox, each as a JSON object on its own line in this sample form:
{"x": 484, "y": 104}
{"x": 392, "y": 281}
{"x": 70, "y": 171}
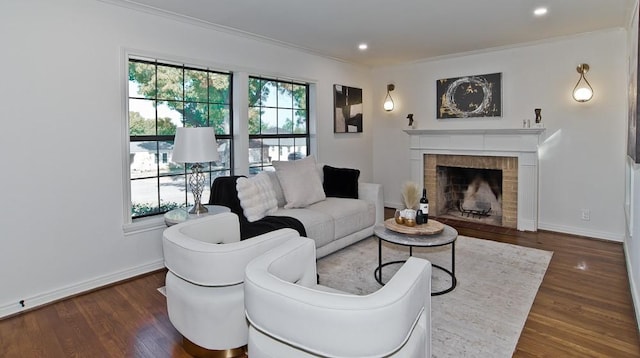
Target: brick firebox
{"x": 508, "y": 166}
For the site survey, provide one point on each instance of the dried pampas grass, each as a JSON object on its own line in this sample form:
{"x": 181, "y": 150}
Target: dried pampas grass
{"x": 411, "y": 194}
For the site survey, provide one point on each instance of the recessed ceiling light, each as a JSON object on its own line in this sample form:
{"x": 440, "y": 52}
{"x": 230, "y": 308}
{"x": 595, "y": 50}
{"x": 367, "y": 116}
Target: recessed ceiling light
{"x": 362, "y": 46}
{"x": 540, "y": 11}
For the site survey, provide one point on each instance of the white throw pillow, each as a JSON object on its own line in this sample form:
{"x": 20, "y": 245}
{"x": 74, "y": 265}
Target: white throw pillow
{"x": 257, "y": 197}
{"x": 300, "y": 182}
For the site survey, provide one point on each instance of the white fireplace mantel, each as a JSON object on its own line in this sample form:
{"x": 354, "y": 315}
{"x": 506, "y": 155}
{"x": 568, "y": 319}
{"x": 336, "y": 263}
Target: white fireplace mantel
{"x": 515, "y": 142}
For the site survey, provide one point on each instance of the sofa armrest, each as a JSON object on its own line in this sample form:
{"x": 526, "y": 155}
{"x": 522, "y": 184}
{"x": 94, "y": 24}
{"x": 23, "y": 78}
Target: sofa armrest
{"x": 373, "y": 193}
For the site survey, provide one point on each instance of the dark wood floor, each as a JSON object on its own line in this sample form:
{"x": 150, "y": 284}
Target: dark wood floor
{"x": 583, "y": 309}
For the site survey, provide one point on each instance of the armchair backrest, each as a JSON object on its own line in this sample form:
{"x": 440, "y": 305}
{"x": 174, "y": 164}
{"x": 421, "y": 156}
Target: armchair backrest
{"x": 222, "y": 228}
{"x": 208, "y": 251}
{"x": 282, "y": 304}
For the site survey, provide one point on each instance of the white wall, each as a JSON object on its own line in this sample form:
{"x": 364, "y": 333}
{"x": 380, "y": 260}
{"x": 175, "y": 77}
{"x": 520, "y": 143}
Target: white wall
{"x": 582, "y": 158}
{"x": 61, "y": 87}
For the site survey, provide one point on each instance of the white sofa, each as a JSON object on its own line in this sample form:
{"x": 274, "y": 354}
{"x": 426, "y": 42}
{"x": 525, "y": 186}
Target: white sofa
{"x": 335, "y": 223}
{"x": 335, "y": 209}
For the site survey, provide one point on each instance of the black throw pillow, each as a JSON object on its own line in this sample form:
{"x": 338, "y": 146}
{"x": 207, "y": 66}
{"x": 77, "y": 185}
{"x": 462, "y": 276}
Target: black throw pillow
{"x": 341, "y": 182}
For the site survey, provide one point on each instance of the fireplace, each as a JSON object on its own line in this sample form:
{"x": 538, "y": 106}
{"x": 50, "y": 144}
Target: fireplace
{"x": 474, "y": 188}
{"x": 512, "y": 152}
{"x": 469, "y": 194}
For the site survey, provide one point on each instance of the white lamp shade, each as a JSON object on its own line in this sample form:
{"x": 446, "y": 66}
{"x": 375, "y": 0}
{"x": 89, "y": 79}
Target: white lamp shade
{"x": 195, "y": 145}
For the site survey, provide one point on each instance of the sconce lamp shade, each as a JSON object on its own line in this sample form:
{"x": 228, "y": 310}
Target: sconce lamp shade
{"x": 583, "y": 91}
{"x": 388, "y": 101}
{"x": 195, "y": 145}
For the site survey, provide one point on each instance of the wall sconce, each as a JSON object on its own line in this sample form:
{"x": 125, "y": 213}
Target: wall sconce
{"x": 583, "y": 91}
{"x": 388, "y": 101}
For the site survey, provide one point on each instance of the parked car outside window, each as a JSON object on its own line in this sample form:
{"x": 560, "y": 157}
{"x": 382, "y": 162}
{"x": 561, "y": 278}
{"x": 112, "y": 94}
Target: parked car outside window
{"x": 295, "y": 156}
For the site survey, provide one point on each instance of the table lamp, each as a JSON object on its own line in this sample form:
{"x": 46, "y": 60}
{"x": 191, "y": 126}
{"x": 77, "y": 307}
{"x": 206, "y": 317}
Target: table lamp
{"x": 195, "y": 145}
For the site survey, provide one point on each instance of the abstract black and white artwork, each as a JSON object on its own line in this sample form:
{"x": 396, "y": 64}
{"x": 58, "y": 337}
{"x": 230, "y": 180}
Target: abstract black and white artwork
{"x": 470, "y": 96}
{"x": 347, "y": 109}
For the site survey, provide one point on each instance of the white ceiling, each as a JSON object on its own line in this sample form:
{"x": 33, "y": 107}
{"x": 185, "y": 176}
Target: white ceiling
{"x": 398, "y": 31}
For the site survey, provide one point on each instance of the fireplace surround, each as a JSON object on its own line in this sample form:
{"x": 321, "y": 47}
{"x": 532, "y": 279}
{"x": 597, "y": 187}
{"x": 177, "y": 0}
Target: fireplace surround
{"x": 514, "y": 151}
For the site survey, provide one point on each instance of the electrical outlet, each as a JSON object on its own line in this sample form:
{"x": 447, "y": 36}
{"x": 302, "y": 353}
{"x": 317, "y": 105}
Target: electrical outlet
{"x": 586, "y": 214}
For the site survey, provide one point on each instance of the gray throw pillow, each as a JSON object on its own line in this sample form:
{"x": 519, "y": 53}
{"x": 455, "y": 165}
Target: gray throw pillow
{"x": 300, "y": 182}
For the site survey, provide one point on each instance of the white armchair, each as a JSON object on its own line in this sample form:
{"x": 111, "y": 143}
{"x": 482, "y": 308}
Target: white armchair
{"x": 291, "y": 316}
{"x": 205, "y": 291}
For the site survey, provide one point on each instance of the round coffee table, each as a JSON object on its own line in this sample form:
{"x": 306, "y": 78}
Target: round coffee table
{"x": 447, "y": 237}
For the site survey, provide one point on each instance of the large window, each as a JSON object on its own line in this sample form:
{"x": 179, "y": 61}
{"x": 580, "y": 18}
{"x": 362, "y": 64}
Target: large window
{"x": 278, "y": 122}
{"x": 162, "y": 97}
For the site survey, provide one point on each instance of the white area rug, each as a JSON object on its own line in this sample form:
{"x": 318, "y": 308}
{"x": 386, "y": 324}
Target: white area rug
{"x": 483, "y": 316}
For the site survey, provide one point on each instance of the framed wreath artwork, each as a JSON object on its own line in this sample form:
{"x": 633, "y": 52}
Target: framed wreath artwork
{"x": 470, "y": 96}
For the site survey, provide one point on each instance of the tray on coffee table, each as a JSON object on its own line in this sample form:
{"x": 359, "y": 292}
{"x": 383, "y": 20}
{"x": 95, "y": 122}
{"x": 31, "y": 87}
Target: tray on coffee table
{"x": 430, "y": 228}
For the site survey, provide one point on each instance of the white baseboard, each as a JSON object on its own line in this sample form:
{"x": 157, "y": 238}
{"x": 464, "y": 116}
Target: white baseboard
{"x": 43, "y": 298}
{"x": 632, "y": 284}
{"x": 610, "y": 236}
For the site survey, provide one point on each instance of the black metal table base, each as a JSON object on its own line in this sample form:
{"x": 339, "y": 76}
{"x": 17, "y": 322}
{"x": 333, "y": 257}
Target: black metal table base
{"x": 377, "y": 273}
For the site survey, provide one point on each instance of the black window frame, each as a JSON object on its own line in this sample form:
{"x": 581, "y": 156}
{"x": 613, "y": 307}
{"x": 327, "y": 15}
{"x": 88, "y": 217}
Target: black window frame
{"x": 258, "y": 138}
{"x": 210, "y": 172}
